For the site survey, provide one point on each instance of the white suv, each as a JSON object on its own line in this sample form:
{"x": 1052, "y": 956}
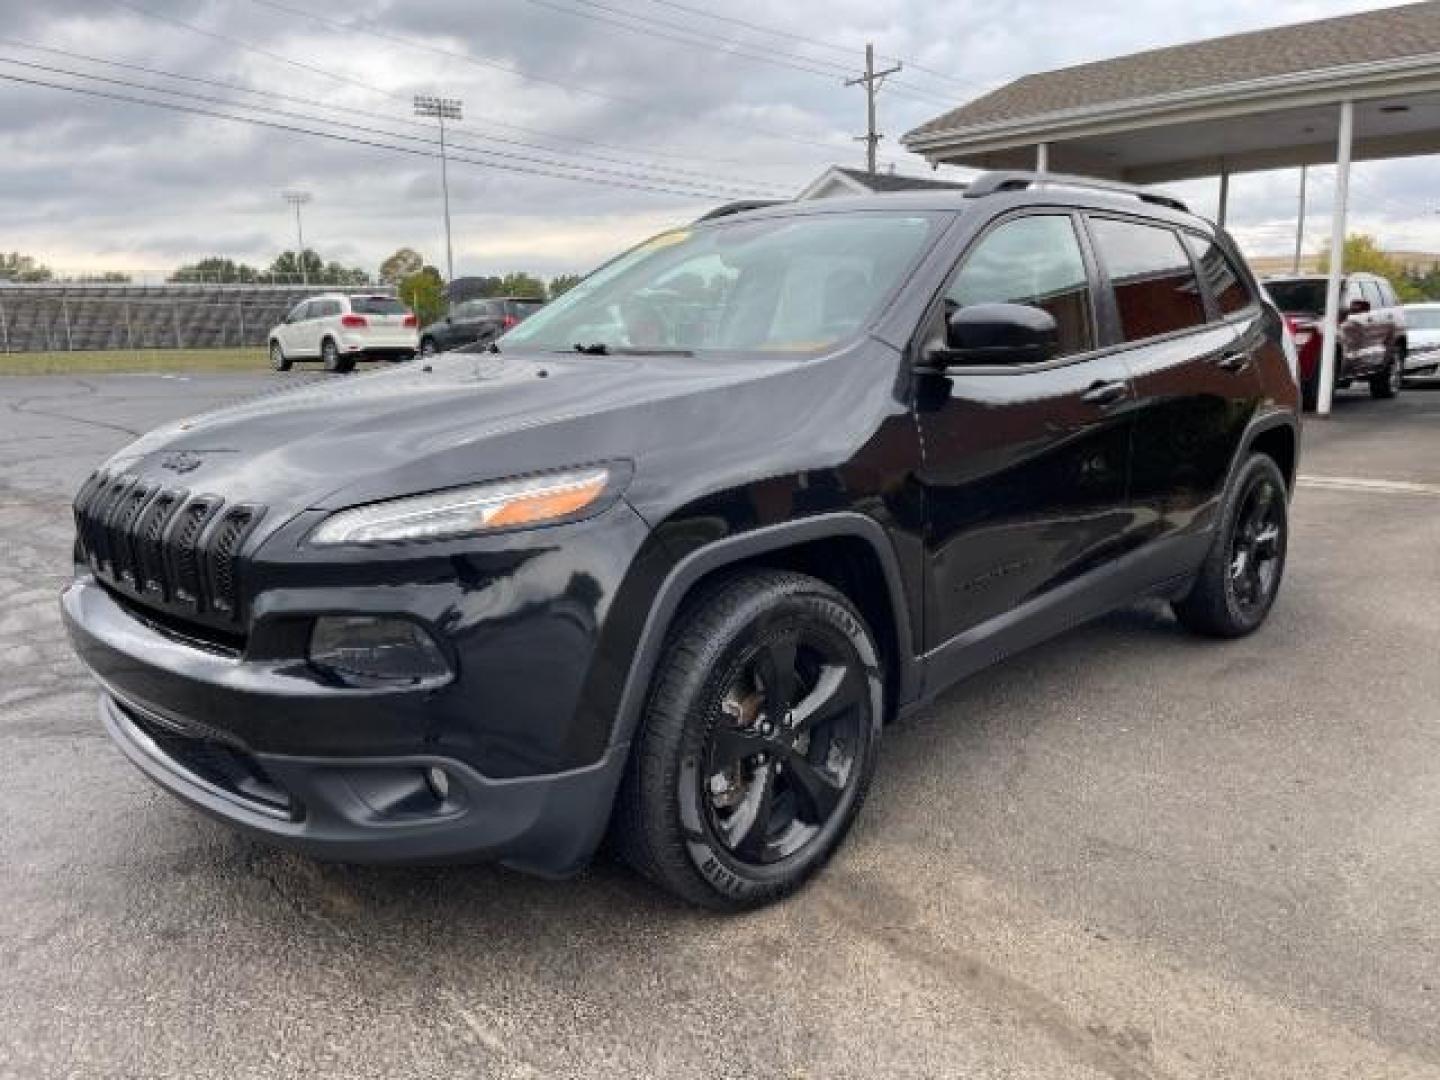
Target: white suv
{"x": 340, "y": 329}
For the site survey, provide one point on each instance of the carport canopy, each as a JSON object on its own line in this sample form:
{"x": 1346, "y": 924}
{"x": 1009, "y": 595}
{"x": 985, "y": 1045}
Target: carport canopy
{"x": 1357, "y": 87}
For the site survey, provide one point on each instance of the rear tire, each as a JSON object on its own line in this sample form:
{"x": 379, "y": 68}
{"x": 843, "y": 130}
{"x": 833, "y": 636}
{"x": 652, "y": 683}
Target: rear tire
{"x": 278, "y": 360}
{"x": 1241, "y": 575}
{"x": 1387, "y": 384}
{"x": 757, "y": 745}
{"x": 428, "y": 348}
{"x": 334, "y": 362}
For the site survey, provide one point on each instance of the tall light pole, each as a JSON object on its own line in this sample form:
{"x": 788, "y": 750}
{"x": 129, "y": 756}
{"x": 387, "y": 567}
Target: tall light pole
{"x": 442, "y": 109}
{"x": 297, "y": 199}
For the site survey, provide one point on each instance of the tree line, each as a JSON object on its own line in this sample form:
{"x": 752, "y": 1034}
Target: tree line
{"x": 1363, "y": 254}
{"x": 418, "y": 283}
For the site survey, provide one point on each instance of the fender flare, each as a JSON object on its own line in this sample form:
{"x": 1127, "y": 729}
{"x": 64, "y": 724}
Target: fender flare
{"x": 1257, "y": 427}
{"x": 734, "y": 549}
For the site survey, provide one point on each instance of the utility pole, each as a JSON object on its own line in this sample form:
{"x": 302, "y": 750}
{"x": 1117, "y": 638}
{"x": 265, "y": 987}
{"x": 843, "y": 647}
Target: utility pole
{"x": 442, "y": 109}
{"x": 1300, "y": 222}
{"x": 872, "y": 81}
{"x": 298, "y": 199}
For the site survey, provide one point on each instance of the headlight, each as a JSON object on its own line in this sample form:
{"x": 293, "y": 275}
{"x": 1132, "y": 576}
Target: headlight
{"x": 467, "y": 511}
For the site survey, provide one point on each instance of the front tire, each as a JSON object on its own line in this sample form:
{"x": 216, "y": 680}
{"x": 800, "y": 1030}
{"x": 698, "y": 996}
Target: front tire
{"x": 278, "y": 360}
{"x": 757, "y": 745}
{"x": 1241, "y": 575}
{"x": 1387, "y": 384}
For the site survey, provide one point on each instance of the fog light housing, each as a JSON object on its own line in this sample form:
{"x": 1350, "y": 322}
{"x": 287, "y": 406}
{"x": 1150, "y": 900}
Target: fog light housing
{"x": 376, "y": 650}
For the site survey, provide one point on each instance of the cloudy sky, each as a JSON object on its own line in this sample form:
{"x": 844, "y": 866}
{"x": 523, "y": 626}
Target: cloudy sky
{"x": 648, "y": 110}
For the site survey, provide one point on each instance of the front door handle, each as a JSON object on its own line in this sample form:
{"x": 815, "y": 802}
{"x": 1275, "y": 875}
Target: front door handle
{"x": 1106, "y": 393}
{"x": 1233, "y": 361}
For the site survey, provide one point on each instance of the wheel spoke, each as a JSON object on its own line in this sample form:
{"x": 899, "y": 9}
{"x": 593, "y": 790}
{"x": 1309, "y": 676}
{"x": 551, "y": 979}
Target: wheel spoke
{"x": 751, "y": 829}
{"x": 776, "y": 668}
{"x": 839, "y": 687}
{"x": 817, "y": 791}
{"x": 1267, "y": 541}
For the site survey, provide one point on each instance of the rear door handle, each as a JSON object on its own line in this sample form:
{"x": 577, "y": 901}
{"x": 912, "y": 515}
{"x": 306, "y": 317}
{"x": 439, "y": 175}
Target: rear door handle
{"x": 1233, "y": 361}
{"x": 1106, "y": 393}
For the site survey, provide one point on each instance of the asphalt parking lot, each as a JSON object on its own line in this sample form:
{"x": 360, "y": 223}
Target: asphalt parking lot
{"x": 1126, "y": 854}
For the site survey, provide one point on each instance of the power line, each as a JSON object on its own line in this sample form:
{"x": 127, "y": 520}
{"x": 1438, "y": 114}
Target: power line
{"x": 315, "y": 69}
{"x": 365, "y": 27}
{"x": 348, "y": 139}
{"x": 659, "y": 174}
{"x": 734, "y": 48}
{"x": 714, "y": 190}
{"x": 809, "y": 40}
{"x": 731, "y": 48}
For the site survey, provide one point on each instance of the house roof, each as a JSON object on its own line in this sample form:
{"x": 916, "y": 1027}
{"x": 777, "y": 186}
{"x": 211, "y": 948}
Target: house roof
{"x": 883, "y": 182}
{"x": 859, "y": 182}
{"x": 1369, "y": 37}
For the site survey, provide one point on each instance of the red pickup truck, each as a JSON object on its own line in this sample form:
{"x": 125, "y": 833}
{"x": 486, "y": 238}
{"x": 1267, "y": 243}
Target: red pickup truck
{"x": 1372, "y": 341}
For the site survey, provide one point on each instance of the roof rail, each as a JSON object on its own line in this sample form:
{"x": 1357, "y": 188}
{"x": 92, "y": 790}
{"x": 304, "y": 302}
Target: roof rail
{"x": 992, "y": 183}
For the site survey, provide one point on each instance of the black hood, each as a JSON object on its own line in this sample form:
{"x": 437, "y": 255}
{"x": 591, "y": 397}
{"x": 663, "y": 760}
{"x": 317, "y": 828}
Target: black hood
{"x": 468, "y": 418}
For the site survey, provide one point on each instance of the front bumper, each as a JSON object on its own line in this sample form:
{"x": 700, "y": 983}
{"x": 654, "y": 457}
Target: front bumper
{"x": 373, "y": 809}
{"x": 524, "y": 730}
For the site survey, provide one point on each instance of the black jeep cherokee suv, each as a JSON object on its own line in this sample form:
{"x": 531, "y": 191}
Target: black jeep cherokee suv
{"x": 664, "y": 561}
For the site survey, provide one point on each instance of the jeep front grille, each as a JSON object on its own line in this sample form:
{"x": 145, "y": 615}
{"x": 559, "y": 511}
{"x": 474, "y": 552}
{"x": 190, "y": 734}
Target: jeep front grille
{"x": 163, "y": 546}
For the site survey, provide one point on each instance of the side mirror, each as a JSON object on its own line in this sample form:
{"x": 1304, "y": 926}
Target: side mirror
{"x": 1358, "y": 307}
{"x": 997, "y": 334}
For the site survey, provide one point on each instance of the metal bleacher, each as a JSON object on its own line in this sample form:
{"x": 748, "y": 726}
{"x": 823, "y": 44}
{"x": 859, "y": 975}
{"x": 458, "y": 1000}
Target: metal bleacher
{"x": 81, "y": 317}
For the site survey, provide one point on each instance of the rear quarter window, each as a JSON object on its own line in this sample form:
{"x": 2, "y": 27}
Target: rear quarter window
{"x": 1155, "y": 288}
{"x": 1225, "y": 282}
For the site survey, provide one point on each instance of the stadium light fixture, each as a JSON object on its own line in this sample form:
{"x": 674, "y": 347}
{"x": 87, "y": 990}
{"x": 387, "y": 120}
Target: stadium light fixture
{"x": 297, "y": 199}
{"x": 441, "y": 109}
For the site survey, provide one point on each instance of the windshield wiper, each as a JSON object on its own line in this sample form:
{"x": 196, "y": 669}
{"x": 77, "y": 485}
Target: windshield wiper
{"x": 599, "y": 348}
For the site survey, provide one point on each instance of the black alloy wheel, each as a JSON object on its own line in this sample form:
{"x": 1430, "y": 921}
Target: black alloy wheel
{"x": 1256, "y": 547}
{"x": 1237, "y": 583}
{"x": 758, "y": 744}
{"x": 781, "y": 753}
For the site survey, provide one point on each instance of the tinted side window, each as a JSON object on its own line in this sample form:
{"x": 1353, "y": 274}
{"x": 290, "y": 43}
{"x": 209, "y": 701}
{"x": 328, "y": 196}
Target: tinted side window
{"x": 1035, "y": 261}
{"x": 1155, "y": 288}
{"x": 332, "y": 307}
{"x": 1387, "y": 294}
{"x": 297, "y": 312}
{"x": 1223, "y": 280}
{"x": 1371, "y": 292}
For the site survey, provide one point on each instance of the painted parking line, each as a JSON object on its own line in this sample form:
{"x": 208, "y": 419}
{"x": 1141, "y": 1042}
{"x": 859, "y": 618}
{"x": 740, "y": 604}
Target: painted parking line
{"x": 1351, "y": 483}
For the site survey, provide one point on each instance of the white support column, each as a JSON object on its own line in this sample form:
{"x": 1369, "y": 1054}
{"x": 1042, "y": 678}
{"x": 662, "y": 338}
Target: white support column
{"x": 1337, "y": 257}
{"x": 1042, "y": 158}
{"x": 1224, "y": 194}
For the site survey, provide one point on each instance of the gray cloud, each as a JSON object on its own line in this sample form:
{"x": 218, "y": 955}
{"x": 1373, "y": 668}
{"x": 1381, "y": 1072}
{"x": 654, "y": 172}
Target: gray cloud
{"x": 95, "y": 184}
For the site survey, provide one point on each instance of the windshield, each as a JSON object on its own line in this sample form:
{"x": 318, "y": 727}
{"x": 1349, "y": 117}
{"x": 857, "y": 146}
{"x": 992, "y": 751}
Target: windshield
{"x": 1298, "y": 296}
{"x": 788, "y": 284}
{"x": 1422, "y": 318}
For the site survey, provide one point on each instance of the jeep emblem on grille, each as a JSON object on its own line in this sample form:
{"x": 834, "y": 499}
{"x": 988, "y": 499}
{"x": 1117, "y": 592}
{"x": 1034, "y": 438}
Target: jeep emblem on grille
{"x": 182, "y": 462}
